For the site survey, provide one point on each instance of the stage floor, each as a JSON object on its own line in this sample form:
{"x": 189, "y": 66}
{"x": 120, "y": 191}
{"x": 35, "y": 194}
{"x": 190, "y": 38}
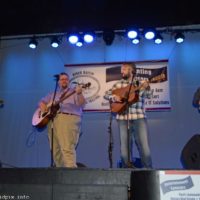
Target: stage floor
{"x": 98, "y": 184}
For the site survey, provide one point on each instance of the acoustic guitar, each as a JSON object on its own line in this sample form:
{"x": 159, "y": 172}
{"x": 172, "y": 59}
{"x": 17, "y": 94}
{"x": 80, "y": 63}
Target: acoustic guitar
{"x": 41, "y": 119}
{"x": 119, "y": 107}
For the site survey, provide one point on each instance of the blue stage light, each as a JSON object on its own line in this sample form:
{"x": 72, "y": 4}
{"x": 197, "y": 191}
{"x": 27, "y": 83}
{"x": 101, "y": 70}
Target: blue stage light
{"x": 33, "y": 43}
{"x": 55, "y": 42}
{"x": 132, "y": 34}
{"x": 179, "y": 37}
{"x": 73, "y": 39}
{"x": 158, "y": 39}
{"x": 79, "y": 43}
{"x": 88, "y": 38}
{"x": 136, "y": 40}
{"x": 149, "y": 34}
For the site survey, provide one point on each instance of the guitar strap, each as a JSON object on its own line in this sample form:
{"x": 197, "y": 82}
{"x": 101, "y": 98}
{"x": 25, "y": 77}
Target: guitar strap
{"x": 64, "y": 93}
{"x": 56, "y": 107}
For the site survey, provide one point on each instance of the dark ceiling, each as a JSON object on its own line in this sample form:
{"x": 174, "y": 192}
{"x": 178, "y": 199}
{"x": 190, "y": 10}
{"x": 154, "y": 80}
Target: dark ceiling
{"x": 20, "y": 17}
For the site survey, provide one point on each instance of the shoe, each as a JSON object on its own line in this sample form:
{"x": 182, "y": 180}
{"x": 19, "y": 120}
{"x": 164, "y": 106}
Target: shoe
{"x": 131, "y": 165}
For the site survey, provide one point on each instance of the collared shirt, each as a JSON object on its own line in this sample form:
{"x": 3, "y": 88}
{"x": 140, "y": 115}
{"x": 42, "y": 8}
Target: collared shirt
{"x": 69, "y": 105}
{"x": 136, "y": 110}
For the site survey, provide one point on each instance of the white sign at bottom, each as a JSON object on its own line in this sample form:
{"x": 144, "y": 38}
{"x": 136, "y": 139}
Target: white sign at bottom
{"x": 179, "y": 185}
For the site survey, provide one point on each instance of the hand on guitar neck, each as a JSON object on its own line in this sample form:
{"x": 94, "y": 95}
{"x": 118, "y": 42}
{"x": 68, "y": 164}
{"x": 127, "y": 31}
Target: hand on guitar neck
{"x": 78, "y": 89}
{"x": 144, "y": 85}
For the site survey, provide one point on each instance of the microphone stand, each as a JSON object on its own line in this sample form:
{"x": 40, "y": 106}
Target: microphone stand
{"x": 52, "y": 121}
{"x": 110, "y": 146}
{"x": 1, "y": 103}
{"x": 129, "y": 162}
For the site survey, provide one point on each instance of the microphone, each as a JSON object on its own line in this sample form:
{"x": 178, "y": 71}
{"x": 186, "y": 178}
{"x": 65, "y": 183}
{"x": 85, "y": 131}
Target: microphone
{"x": 1, "y": 102}
{"x": 56, "y": 77}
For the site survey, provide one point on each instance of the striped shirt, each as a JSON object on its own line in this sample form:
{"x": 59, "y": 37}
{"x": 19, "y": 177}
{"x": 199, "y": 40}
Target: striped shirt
{"x": 136, "y": 110}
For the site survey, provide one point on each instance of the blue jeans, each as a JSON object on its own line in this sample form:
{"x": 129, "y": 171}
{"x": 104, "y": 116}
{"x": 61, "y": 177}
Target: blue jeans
{"x": 138, "y": 133}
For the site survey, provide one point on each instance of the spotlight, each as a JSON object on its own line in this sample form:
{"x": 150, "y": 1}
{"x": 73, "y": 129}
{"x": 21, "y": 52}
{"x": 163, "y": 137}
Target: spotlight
{"x": 73, "y": 39}
{"x": 158, "y": 38}
{"x": 55, "y": 42}
{"x": 79, "y": 43}
{"x": 33, "y": 43}
{"x": 132, "y": 34}
{"x": 179, "y": 37}
{"x": 88, "y": 37}
{"x": 149, "y": 34}
{"x": 108, "y": 37}
{"x": 136, "y": 40}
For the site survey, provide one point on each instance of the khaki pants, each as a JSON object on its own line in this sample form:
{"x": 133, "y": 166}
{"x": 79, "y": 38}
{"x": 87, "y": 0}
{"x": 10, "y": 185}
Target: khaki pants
{"x": 66, "y": 129}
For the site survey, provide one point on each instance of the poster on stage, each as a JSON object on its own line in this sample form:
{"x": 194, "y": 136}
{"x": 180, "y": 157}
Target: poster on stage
{"x": 102, "y": 77}
{"x": 179, "y": 185}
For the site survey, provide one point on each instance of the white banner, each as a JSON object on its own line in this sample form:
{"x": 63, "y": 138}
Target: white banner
{"x": 179, "y": 185}
{"x": 103, "y": 76}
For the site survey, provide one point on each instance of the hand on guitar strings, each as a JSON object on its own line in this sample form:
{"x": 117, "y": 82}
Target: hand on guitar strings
{"x": 43, "y": 107}
{"x": 116, "y": 98}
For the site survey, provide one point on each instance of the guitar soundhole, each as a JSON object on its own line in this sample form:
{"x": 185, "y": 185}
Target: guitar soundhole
{"x": 44, "y": 114}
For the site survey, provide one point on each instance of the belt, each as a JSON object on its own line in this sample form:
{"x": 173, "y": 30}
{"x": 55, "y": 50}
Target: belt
{"x": 67, "y": 113}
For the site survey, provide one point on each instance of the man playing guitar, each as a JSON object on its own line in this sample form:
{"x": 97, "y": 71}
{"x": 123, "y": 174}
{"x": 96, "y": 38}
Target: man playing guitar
{"x": 135, "y": 114}
{"x": 66, "y": 121}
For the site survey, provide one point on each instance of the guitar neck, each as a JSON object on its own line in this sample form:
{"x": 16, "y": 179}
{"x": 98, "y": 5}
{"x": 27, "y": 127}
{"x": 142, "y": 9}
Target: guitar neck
{"x": 65, "y": 97}
{"x": 140, "y": 86}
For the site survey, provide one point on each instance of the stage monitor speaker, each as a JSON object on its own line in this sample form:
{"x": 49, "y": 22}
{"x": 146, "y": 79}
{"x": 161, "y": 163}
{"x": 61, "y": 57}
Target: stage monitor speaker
{"x": 190, "y": 155}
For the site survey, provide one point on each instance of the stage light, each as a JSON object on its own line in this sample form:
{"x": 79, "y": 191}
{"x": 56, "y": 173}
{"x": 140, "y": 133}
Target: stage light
{"x": 136, "y": 40}
{"x": 132, "y": 34}
{"x": 108, "y": 37}
{"x": 33, "y": 43}
{"x": 55, "y": 42}
{"x": 79, "y": 43}
{"x": 73, "y": 39}
{"x": 88, "y": 37}
{"x": 149, "y": 34}
{"x": 158, "y": 38}
{"x": 179, "y": 37}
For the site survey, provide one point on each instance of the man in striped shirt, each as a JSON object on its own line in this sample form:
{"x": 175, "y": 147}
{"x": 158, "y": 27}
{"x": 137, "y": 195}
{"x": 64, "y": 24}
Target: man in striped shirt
{"x": 133, "y": 117}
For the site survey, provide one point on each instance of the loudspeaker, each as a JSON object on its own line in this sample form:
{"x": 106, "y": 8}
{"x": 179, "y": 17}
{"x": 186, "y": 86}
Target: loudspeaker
{"x": 190, "y": 155}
